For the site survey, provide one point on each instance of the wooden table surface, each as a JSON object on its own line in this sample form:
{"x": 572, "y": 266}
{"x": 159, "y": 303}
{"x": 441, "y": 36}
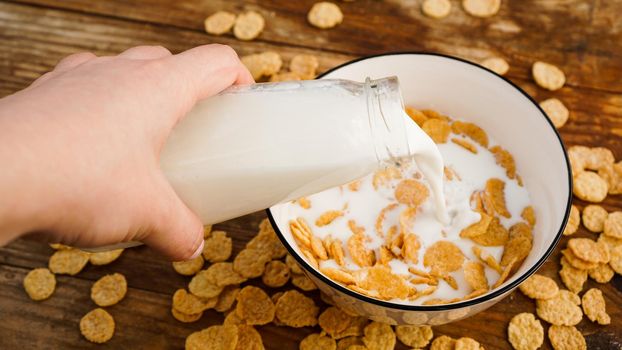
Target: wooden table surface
{"x": 582, "y": 37}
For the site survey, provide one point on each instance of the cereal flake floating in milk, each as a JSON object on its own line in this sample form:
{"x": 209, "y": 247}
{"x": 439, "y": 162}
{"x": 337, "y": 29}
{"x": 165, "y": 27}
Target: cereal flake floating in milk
{"x": 381, "y": 236}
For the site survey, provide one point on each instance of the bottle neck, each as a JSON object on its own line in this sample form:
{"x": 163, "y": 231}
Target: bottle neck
{"x": 385, "y": 109}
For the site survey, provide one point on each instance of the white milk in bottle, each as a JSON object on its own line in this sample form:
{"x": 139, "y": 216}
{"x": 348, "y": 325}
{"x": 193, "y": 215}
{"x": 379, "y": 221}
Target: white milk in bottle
{"x": 251, "y": 147}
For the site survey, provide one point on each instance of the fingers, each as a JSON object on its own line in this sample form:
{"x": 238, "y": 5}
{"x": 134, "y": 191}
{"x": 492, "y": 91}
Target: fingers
{"x": 209, "y": 69}
{"x": 145, "y": 53}
{"x": 73, "y": 61}
{"x": 176, "y": 231}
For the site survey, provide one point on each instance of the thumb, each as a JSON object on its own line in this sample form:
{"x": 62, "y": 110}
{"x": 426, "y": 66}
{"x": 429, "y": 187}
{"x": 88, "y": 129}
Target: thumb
{"x": 175, "y": 231}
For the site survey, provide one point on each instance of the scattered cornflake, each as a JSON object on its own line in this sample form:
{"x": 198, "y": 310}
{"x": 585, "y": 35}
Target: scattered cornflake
{"x": 217, "y": 247}
{"x": 481, "y": 8}
{"x": 437, "y": 129}
{"x": 254, "y": 306}
{"x": 436, "y": 8}
{"x": 466, "y": 343}
{"x": 416, "y": 115}
{"x": 207, "y": 231}
{"x": 525, "y": 332}
{"x": 612, "y": 173}
{"x": 593, "y": 305}
{"x": 443, "y": 343}
{"x": 248, "y": 25}
{"x": 350, "y": 343}
{"x": 325, "y": 15}
{"x": 475, "y": 276}
{"x": 303, "y": 282}
{"x": 556, "y": 111}
{"x": 411, "y": 192}
{"x": 505, "y": 160}
{"x": 248, "y": 338}
{"x": 293, "y": 265}
{"x": 188, "y": 267}
{"x": 612, "y": 226}
{"x": 304, "y": 202}
{"x": 68, "y": 261}
{"x": 496, "y": 64}
{"x": 190, "y": 304}
{"x": 590, "y": 187}
{"x": 334, "y": 321}
{"x": 317, "y": 341}
{"x": 223, "y": 337}
{"x": 443, "y": 257}
{"x": 105, "y": 258}
{"x": 97, "y": 326}
{"x": 186, "y": 318}
{"x": 594, "y": 217}
{"x": 561, "y": 310}
{"x": 305, "y": 66}
{"x": 250, "y": 262}
{"x": 294, "y": 309}
{"x": 589, "y": 250}
{"x": 379, "y": 336}
{"x": 232, "y": 319}
{"x": 574, "y": 261}
{"x": 414, "y": 336}
{"x": 603, "y": 273}
{"x": 219, "y": 23}
{"x": 39, "y": 284}
{"x": 276, "y": 274}
{"x": 465, "y": 144}
{"x": 227, "y": 298}
{"x": 572, "y": 277}
{"x": 539, "y": 287}
{"x": 574, "y": 220}
{"x": 204, "y": 285}
{"x": 548, "y": 76}
{"x": 267, "y": 240}
{"x": 328, "y": 217}
{"x": 566, "y": 338}
{"x": 109, "y": 289}
{"x": 262, "y": 64}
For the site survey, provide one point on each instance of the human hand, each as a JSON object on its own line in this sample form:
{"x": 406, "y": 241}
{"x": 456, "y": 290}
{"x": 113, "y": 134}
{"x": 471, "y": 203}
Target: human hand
{"x": 83, "y": 143}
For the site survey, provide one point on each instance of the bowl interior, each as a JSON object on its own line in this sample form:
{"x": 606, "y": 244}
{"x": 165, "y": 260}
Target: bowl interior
{"x": 467, "y": 91}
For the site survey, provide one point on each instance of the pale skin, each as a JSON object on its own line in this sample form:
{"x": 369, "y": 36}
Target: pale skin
{"x": 79, "y": 148}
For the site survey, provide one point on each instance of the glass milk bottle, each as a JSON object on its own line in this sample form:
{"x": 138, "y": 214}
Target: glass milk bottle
{"x": 251, "y": 147}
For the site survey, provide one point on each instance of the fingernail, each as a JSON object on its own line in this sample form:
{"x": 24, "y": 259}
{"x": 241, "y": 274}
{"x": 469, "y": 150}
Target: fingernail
{"x": 198, "y": 251}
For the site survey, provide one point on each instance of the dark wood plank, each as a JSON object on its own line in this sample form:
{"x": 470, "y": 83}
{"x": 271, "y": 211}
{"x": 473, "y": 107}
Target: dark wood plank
{"x": 583, "y": 37}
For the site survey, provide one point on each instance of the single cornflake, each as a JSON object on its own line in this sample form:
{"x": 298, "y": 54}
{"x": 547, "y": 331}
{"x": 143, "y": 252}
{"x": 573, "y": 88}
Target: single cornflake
{"x": 255, "y": 306}
{"x": 410, "y": 248}
{"x": 611, "y": 242}
{"x": 338, "y": 275}
{"x": 560, "y": 310}
{"x": 506, "y": 273}
{"x": 548, "y": 76}
{"x": 475, "y": 275}
{"x": 207, "y": 231}
{"x": 612, "y": 173}
{"x": 495, "y": 191}
{"x": 223, "y": 337}
{"x": 556, "y": 111}
{"x": 528, "y": 214}
{"x": 496, "y": 234}
{"x": 359, "y": 253}
{"x": 188, "y": 267}
{"x": 481, "y": 8}
{"x": 411, "y": 193}
{"x": 301, "y": 231}
{"x": 190, "y": 304}
{"x": 267, "y": 240}
{"x": 477, "y": 229}
{"x": 248, "y": 338}
{"x": 262, "y": 64}
{"x": 603, "y": 273}
{"x": 276, "y": 274}
{"x": 594, "y": 217}
{"x": 304, "y": 202}
{"x": 379, "y": 336}
{"x": 109, "y": 289}
{"x": 443, "y": 343}
{"x": 505, "y": 160}
{"x": 574, "y": 261}
{"x": 350, "y": 343}
{"x": 539, "y": 287}
{"x": 572, "y": 277}
{"x": 414, "y": 336}
{"x": 573, "y": 221}
{"x": 294, "y": 309}
{"x": 185, "y": 318}
{"x": 437, "y": 129}
{"x": 232, "y": 319}
{"x": 471, "y": 131}
{"x": 496, "y": 64}
{"x": 465, "y": 144}
{"x": 219, "y": 23}
{"x": 436, "y": 8}
{"x": 325, "y": 15}
{"x": 328, "y": 217}
{"x": 593, "y": 305}
{"x": 105, "y": 258}
{"x": 293, "y": 265}
{"x": 487, "y": 259}
{"x": 251, "y": 263}
{"x": 68, "y": 261}
{"x": 39, "y": 284}
{"x": 227, "y": 298}
{"x": 612, "y": 226}
{"x": 304, "y": 66}
{"x": 204, "y": 285}
{"x": 355, "y": 328}
{"x": 517, "y": 249}
{"x": 97, "y": 326}
{"x": 466, "y": 343}
{"x": 525, "y": 332}
{"x": 303, "y": 282}
{"x": 317, "y": 341}
{"x": 416, "y": 115}
{"x": 217, "y": 247}
{"x": 334, "y": 321}
{"x": 589, "y": 250}
{"x": 224, "y": 274}
{"x": 443, "y": 257}
{"x": 384, "y": 176}
{"x": 248, "y": 25}
{"x": 566, "y": 338}
{"x": 590, "y": 187}
{"x": 388, "y": 285}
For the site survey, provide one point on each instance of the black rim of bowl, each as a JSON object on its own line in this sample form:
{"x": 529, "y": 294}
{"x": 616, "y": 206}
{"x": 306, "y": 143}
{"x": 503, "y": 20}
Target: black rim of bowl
{"x": 466, "y": 303}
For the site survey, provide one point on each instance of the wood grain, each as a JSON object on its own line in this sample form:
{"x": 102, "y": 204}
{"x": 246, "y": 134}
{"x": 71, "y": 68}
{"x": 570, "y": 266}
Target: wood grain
{"x": 582, "y": 37}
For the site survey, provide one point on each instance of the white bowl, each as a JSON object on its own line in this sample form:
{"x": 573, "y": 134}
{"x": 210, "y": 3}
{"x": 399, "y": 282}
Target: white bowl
{"x": 466, "y": 90}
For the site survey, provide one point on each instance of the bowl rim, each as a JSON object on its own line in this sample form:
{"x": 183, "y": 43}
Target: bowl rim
{"x": 471, "y": 302}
